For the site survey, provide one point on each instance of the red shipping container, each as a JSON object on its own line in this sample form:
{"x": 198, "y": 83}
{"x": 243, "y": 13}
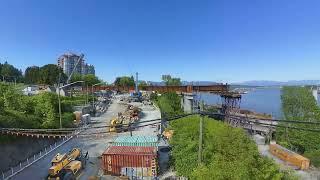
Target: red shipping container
{"x": 116, "y": 160}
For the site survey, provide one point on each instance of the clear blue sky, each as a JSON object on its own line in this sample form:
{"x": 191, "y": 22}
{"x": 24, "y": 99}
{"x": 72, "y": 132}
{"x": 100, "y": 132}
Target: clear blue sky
{"x": 226, "y": 40}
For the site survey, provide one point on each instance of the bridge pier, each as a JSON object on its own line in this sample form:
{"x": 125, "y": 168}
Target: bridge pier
{"x": 315, "y": 93}
{"x": 187, "y": 102}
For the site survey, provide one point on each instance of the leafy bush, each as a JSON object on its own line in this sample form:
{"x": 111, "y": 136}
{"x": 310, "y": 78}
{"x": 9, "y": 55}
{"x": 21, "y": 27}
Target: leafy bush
{"x": 40, "y": 111}
{"x": 228, "y": 153}
{"x": 170, "y": 104}
{"x": 298, "y": 104}
{"x": 314, "y": 157}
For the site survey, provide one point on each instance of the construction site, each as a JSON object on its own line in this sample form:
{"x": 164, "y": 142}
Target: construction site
{"x": 127, "y": 137}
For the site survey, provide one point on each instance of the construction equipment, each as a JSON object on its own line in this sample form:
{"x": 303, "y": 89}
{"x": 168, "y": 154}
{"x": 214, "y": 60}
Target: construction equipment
{"x": 115, "y": 125}
{"x": 67, "y": 166}
{"x": 118, "y": 125}
{"x": 123, "y": 121}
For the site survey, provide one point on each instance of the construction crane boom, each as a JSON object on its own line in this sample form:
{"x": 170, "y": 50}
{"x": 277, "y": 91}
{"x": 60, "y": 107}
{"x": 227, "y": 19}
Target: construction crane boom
{"x": 74, "y": 68}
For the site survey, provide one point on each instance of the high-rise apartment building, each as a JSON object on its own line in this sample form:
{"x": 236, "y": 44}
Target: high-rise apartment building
{"x": 70, "y": 61}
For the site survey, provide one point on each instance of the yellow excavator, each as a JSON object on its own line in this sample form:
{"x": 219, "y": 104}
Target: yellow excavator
{"x": 117, "y": 125}
{"x": 67, "y": 166}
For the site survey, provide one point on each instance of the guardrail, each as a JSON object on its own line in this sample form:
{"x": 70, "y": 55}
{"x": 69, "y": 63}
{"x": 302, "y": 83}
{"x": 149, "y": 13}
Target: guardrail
{"x": 33, "y": 159}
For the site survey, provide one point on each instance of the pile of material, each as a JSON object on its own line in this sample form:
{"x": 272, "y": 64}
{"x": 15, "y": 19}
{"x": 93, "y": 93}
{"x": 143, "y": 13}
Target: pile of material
{"x": 123, "y": 121}
{"x": 130, "y": 115}
{"x": 168, "y": 134}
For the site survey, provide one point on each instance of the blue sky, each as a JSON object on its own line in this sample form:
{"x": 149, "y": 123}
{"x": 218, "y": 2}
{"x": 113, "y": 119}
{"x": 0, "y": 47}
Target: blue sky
{"x": 224, "y": 41}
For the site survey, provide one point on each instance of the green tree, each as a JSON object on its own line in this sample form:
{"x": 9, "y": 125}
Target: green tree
{"x": 171, "y": 81}
{"x": 76, "y": 77}
{"x": 170, "y": 104}
{"x": 227, "y": 152}
{"x": 124, "y": 81}
{"x": 49, "y": 74}
{"x": 39, "y": 111}
{"x": 32, "y": 75}
{"x": 91, "y": 79}
{"x": 11, "y": 73}
{"x": 298, "y": 104}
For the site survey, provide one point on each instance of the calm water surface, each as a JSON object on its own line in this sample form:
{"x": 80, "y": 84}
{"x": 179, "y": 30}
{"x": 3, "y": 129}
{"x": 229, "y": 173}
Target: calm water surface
{"x": 260, "y": 100}
{"x": 263, "y": 100}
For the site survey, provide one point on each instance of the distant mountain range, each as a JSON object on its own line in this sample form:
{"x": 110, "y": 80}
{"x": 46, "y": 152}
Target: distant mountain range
{"x": 185, "y": 83}
{"x": 279, "y": 83}
{"x": 248, "y": 83}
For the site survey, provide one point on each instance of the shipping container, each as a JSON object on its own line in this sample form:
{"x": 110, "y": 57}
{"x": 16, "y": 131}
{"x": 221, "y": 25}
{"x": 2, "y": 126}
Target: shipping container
{"x": 136, "y": 162}
{"x": 136, "y": 141}
{"x": 289, "y": 156}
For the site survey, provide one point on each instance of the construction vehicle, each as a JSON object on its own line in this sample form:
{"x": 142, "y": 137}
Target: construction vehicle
{"x": 118, "y": 125}
{"x": 67, "y": 166}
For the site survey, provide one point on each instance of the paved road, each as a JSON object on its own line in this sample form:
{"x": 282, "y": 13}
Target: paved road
{"x": 95, "y": 147}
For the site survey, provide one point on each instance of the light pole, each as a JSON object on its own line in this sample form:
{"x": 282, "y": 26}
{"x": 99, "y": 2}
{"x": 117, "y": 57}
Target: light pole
{"x": 59, "y": 89}
{"x": 93, "y": 92}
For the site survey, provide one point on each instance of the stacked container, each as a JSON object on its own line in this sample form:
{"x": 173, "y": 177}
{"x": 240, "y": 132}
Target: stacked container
{"x": 132, "y": 156}
{"x": 136, "y": 141}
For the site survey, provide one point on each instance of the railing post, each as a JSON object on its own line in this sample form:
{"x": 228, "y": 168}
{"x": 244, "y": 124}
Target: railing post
{"x": 2, "y": 175}
{"x": 20, "y": 165}
{"x": 45, "y": 150}
{"x": 11, "y": 170}
{"x": 27, "y": 160}
{"x": 34, "y": 157}
{"x": 40, "y": 153}
{"x": 50, "y": 147}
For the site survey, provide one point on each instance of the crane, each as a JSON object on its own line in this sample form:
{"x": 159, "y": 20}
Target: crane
{"x": 74, "y": 68}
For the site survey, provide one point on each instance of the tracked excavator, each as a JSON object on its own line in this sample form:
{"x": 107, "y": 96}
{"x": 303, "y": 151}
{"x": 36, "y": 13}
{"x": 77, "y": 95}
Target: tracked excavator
{"x": 67, "y": 166}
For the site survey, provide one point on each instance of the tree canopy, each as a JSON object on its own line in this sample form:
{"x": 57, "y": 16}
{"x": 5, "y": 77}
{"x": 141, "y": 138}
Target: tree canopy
{"x": 124, "y": 81}
{"x": 39, "y": 111}
{"x": 47, "y": 74}
{"x": 171, "y": 81}
{"x": 227, "y": 152}
{"x": 32, "y": 75}
{"x": 298, "y": 104}
{"x": 9, "y": 73}
{"x": 170, "y": 104}
{"x": 89, "y": 79}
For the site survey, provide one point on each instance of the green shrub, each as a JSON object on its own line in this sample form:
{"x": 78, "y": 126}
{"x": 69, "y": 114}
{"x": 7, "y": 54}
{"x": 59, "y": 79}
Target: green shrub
{"x": 314, "y": 157}
{"x": 227, "y": 152}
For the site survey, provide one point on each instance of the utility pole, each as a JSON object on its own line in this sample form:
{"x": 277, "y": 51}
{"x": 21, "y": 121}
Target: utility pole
{"x": 92, "y": 96}
{"x": 200, "y": 135}
{"x": 87, "y": 95}
{"x": 59, "y": 100}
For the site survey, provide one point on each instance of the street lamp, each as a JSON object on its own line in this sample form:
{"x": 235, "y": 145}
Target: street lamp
{"x": 93, "y": 92}
{"x": 59, "y": 89}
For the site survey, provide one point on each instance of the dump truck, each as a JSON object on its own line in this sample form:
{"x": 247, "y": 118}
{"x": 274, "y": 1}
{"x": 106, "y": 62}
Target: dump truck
{"x": 67, "y": 166}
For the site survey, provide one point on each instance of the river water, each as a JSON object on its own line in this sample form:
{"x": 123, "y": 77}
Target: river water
{"x": 262, "y": 100}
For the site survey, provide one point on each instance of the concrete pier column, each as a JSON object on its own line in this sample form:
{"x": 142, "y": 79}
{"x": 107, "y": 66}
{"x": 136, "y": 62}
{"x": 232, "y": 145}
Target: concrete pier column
{"x": 187, "y": 102}
{"x": 315, "y": 93}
